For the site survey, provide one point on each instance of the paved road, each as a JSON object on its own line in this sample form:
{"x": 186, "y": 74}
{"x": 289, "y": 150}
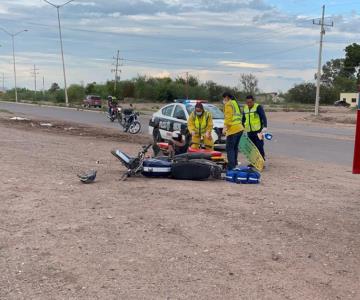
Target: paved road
{"x": 310, "y": 142}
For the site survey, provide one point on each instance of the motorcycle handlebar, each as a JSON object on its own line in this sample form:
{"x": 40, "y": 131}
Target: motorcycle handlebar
{"x": 146, "y": 148}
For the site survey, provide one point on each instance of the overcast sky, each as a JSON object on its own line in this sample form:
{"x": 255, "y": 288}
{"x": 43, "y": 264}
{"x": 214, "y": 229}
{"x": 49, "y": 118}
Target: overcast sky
{"x": 213, "y": 40}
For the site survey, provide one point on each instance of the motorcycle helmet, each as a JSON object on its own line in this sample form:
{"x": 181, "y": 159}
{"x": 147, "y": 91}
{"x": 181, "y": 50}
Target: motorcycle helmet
{"x": 110, "y": 98}
{"x": 88, "y": 177}
{"x": 176, "y": 135}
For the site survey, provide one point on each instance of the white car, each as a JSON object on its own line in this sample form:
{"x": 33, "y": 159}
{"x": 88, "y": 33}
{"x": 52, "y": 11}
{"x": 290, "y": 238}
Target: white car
{"x": 174, "y": 117}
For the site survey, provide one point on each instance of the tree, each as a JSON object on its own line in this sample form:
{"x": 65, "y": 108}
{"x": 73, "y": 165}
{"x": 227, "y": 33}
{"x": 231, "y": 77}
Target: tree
{"x": 128, "y": 89}
{"x": 76, "y": 92}
{"x": 249, "y": 84}
{"x": 302, "y": 93}
{"x": 90, "y": 88}
{"x": 193, "y": 81}
{"x": 54, "y": 87}
{"x": 332, "y": 70}
{"x": 352, "y": 60}
{"x": 305, "y": 93}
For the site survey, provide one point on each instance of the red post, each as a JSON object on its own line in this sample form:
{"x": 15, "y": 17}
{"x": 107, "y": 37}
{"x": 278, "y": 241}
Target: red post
{"x": 356, "y": 166}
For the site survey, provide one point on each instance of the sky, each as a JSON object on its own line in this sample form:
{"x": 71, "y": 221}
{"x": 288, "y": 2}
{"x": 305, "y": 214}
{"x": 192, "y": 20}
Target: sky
{"x": 275, "y": 40}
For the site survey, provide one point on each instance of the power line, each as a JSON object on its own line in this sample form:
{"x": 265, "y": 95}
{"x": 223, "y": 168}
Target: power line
{"x": 259, "y": 37}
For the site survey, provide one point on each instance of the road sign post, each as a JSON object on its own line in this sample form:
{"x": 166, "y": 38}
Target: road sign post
{"x": 356, "y": 166}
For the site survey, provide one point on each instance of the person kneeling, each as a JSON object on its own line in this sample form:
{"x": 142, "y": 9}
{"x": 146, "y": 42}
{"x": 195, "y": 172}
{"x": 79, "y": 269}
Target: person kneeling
{"x": 200, "y": 126}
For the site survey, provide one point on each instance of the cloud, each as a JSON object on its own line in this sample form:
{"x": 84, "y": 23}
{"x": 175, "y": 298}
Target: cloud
{"x": 243, "y": 65}
{"x": 3, "y": 10}
{"x": 211, "y": 38}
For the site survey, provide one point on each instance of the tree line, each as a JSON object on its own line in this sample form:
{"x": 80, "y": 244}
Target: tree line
{"x": 143, "y": 88}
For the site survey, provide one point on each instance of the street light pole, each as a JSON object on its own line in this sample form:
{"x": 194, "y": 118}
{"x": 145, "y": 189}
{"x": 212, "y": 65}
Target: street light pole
{"x": 61, "y": 45}
{"x": 13, "y": 35}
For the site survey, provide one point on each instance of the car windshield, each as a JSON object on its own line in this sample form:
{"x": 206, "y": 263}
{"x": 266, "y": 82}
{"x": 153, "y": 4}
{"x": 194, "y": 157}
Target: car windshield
{"x": 216, "y": 112}
{"x": 95, "y": 98}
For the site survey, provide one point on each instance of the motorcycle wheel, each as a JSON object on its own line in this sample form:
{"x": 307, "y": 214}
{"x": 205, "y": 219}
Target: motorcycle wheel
{"x": 134, "y": 127}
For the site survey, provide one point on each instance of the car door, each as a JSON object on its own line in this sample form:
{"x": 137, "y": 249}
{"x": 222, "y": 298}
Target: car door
{"x": 179, "y": 118}
{"x": 166, "y": 121}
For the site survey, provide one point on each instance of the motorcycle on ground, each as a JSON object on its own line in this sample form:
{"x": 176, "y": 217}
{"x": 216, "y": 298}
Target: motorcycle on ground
{"x": 133, "y": 165}
{"x": 161, "y": 166}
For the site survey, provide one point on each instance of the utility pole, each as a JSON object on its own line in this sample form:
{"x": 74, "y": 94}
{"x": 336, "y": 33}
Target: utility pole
{"x": 3, "y": 82}
{"x": 322, "y": 25}
{"x": 187, "y": 85}
{"x": 34, "y": 72}
{"x": 43, "y": 87}
{"x": 116, "y": 70}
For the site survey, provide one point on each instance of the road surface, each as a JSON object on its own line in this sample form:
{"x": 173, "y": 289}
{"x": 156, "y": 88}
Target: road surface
{"x": 309, "y": 142}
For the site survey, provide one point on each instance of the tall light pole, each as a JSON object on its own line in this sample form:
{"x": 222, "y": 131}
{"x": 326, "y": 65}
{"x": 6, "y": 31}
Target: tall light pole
{"x": 61, "y": 44}
{"x": 13, "y": 35}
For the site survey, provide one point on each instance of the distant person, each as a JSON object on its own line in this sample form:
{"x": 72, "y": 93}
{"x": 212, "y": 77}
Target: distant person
{"x": 255, "y": 123}
{"x": 233, "y": 128}
{"x": 200, "y": 125}
{"x": 112, "y": 104}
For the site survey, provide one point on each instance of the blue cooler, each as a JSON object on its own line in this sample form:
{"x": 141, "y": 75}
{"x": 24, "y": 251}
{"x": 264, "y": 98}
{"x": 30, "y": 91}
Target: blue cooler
{"x": 156, "y": 168}
{"x": 244, "y": 175}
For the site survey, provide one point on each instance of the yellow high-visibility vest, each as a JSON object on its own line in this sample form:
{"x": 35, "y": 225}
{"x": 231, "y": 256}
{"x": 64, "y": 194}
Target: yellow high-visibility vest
{"x": 237, "y": 116}
{"x": 252, "y": 118}
{"x": 201, "y": 122}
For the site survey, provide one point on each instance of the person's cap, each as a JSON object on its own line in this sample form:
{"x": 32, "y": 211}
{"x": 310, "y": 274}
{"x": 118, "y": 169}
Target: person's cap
{"x": 250, "y": 97}
{"x": 199, "y": 105}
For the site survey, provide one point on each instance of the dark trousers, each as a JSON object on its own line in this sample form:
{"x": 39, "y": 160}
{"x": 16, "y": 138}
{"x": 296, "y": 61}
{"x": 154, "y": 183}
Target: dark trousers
{"x": 232, "y": 149}
{"x": 253, "y": 136}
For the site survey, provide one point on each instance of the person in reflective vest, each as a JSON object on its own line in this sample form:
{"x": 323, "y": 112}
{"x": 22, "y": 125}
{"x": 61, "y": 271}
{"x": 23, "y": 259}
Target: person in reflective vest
{"x": 233, "y": 128}
{"x": 255, "y": 123}
{"x": 200, "y": 125}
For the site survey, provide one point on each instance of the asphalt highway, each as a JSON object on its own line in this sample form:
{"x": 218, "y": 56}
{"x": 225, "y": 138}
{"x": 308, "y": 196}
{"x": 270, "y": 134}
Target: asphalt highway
{"x": 304, "y": 141}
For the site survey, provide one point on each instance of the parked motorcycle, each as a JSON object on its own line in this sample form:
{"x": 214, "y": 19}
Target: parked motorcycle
{"x": 128, "y": 119}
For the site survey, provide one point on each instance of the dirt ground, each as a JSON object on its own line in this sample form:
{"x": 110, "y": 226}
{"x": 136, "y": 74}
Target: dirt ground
{"x": 295, "y": 236}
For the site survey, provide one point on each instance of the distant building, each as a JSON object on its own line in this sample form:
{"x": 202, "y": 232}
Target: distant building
{"x": 269, "y": 97}
{"x": 350, "y": 98}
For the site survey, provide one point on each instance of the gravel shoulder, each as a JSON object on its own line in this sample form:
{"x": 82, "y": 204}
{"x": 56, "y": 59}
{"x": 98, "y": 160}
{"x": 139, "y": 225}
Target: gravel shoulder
{"x": 295, "y": 236}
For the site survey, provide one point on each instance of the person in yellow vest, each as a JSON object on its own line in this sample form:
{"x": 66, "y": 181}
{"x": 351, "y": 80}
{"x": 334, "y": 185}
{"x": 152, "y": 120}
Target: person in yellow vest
{"x": 255, "y": 123}
{"x": 233, "y": 128}
{"x": 200, "y": 126}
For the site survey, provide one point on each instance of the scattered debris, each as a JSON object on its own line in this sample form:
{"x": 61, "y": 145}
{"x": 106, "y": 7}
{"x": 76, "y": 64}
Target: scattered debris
{"x": 46, "y": 124}
{"x": 88, "y": 177}
{"x": 19, "y": 119}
